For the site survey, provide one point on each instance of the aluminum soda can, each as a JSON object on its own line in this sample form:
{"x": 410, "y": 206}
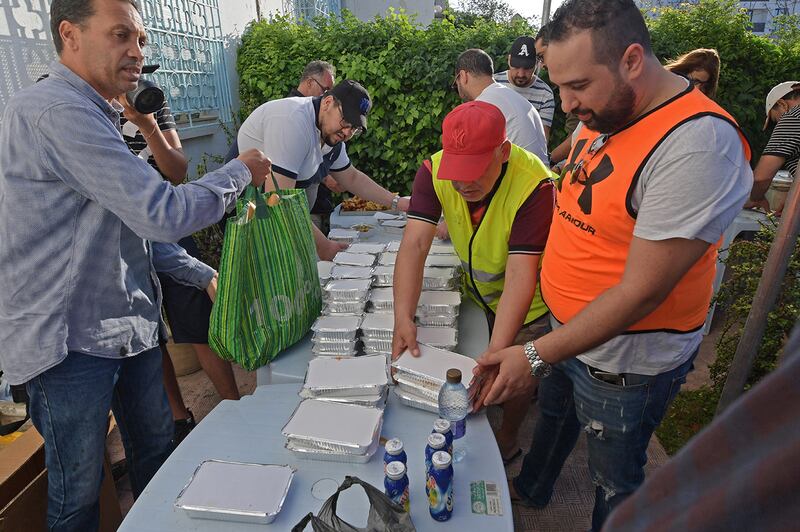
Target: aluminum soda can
{"x": 442, "y": 426}
{"x": 440, "y": 486}
{"x": 394, "y": 452}
{"x": 395, "y": 484}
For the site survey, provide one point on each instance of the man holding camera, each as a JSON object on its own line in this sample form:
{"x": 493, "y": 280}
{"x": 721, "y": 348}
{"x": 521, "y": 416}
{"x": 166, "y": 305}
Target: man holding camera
{"x": 80, "y": 304}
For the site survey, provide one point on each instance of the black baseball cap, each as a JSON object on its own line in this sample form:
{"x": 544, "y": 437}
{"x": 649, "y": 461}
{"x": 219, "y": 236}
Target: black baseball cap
{"x": 523, "y": 52}
{"x": 355, "y": 101}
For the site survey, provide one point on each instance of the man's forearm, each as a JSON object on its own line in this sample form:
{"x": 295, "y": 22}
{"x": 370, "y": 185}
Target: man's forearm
{"x": 518, "y": 291}
{"x": 759, "y": 189}
{"x": 359, "y": 183}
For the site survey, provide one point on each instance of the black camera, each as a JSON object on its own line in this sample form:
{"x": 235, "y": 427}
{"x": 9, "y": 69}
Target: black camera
{"x": 147, "y": 97}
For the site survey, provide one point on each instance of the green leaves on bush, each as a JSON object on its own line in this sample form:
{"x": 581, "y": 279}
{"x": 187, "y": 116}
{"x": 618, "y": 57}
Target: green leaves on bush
{"x": 407, "y": 70}
{"x": 750, "y": 65}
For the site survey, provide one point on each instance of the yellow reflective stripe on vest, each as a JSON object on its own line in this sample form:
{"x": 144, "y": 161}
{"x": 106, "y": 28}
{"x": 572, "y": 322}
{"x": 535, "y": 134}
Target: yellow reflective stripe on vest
{"x": 523, "y": 173}
{"x": 481, "y": 276}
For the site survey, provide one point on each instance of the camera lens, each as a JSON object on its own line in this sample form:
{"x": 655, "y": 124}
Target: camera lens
{"x": 146, "y": 98}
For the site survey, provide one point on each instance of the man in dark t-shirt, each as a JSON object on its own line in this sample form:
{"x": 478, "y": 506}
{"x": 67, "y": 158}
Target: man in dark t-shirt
{"x": 783, "y": 149}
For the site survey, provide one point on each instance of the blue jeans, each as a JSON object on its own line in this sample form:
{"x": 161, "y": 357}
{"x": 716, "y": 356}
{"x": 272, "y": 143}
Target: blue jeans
{"x": 69, "y": 406}
{"x": 618, "y": 421}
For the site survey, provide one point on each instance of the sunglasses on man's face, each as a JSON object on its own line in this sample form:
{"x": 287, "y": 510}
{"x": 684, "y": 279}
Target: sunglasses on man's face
{"x": 321, "y": 86}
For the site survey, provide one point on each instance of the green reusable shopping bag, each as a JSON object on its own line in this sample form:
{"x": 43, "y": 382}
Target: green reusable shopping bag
{"x": 268, "y": 292}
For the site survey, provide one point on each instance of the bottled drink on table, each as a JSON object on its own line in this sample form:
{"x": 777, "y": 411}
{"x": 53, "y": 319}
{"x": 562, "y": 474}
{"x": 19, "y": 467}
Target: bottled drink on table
{"x": 396, "y": 484}
{"x": 442, "y": 426}
{"x": 453, "y": 406}
{"x": 436, "y": 442}
{"x": 394, "y": 453}
{"x": 440, "y": 486}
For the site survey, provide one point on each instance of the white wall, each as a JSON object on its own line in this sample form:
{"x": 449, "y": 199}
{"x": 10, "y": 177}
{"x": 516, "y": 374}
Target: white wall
{"x": 235, "y": 15}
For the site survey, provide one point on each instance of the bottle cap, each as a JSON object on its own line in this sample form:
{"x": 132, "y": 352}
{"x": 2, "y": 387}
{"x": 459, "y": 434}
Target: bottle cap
{"x": 441, "y": 425}
{"x": 440, "y": 460}
{"x": 395, "y": 470}
{"x": 453, "y": 376}
{"x": 394, "y": 446}
{"x": 436, "y": 440}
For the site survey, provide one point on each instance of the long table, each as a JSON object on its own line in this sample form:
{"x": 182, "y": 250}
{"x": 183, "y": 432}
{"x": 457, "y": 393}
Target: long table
{"x": 249, "y": 430}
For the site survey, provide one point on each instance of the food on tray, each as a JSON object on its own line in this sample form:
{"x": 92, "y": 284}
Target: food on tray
{"x": 362, "y": 228}
{"x": 359, "y": 204}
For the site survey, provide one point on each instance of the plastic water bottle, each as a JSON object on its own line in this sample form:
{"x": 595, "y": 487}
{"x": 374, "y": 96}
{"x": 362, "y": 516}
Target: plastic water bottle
{"x": 453, "y": 406}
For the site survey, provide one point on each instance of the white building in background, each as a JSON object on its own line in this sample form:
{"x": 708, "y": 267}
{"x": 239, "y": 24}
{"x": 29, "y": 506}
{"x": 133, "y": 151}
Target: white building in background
{"x": 761, "y": 12}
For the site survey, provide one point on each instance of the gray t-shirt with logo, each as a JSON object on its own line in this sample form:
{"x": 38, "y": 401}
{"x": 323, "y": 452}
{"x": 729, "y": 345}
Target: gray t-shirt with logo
{"x": 693, "y": 186}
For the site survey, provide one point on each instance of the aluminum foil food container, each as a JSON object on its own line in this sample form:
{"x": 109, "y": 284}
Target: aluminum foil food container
{"x": 337, "y": 427}
{"x": 340, "y": 271}
{"x": 442, "y": 303}
{"x": 336, "y": 328}
{"x": 373, "y": 248}
{"x": 436, "y": 320}
{"x": 393, "y": 246}
{"x": 439, "y": 278}
{"x": 236, "y": 491}
{"x": 373, "y": 400}
{"x": 442, "y": 261}
{"x": 412, "y": 386}
{"x": 441, "y": 337}
{"x": 442, "y": 249}
{"x": 306, "y": 453}
{"x": 432, "y": 365}
{"x": 348, "y": 289}
{"x": 329, "y": 352}
{"x": 378, "y": 326}
{"x": 343, "y": 235}
{"x": 354, "y": 259}
{"x": 354, "y": 308}
{"x": 384, "y": 275}
{"x": 382, "y": 299}
{"x": 378, "y": 345}
{"x": 356, "y": 376}
{"x": 387, "y": 259}
{"x": 415, "y": 401}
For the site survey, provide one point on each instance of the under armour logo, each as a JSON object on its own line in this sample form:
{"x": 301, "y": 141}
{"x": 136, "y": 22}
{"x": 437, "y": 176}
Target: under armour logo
{"x": 600, "y": 173}
{"x": 524, "y": 51}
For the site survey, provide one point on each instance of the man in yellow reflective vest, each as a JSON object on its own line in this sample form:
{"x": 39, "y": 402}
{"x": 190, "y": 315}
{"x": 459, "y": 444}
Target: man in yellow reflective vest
{"x": 497, "y": 200}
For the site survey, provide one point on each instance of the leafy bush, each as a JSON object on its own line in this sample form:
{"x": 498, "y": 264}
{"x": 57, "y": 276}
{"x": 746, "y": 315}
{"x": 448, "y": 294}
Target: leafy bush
{"x": 694, "y": 409}
{"x": 407, "y": 70}
{"x": 745, "y": 261}
{"x": 750, "y": 65}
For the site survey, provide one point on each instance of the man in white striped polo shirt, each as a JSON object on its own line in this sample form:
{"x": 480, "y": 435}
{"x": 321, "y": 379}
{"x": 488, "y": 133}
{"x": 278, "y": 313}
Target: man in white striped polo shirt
{"x": 523, "y": 65}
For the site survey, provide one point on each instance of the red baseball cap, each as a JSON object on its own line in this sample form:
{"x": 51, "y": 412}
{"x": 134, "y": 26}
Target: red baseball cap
{"x": 470, "y": 134}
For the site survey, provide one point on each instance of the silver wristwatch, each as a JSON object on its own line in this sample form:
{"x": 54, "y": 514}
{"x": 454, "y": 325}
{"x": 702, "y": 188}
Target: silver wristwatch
{"x": 395, "y": 201}
{"x": 539, "y": 368}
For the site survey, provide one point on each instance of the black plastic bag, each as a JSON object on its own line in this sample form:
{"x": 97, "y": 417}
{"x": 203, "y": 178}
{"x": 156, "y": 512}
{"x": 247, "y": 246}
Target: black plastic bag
{"x": 383, "y": 513}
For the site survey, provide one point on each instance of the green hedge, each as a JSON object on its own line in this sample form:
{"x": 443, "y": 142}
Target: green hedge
{"x": 750, "y": 65}
{"x": 408, "y": 71}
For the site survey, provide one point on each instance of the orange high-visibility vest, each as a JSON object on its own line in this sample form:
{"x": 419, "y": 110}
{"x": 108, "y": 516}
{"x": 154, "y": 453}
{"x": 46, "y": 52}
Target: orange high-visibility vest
{"x": 593, "y": 221}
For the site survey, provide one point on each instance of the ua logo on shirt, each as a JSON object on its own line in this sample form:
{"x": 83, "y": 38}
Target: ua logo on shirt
{"x": 524, "y": 50}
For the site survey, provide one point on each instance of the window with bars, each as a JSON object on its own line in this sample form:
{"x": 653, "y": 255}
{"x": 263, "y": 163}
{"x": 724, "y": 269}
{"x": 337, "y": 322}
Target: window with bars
{"x": 185, "y": 38}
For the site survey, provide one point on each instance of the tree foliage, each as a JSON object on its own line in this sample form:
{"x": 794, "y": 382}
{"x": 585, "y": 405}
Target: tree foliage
{"x": 750, "y": 65}
{"x": 408, "y": 71}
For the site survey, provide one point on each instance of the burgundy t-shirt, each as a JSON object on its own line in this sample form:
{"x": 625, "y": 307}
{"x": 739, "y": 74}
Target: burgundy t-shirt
{"x": 531, "y": 225}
